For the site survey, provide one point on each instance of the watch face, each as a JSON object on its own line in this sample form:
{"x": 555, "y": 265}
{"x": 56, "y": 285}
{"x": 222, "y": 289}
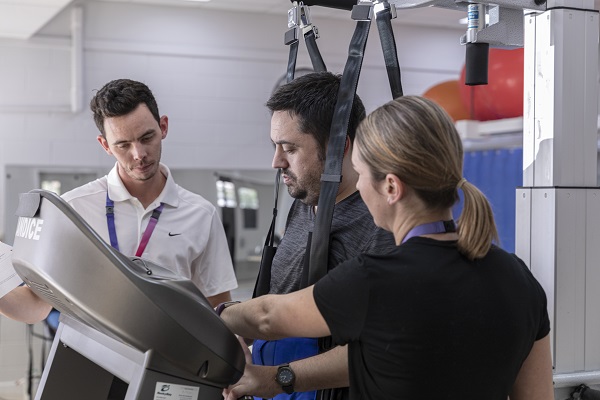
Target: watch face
{"x": 285, "y": 376}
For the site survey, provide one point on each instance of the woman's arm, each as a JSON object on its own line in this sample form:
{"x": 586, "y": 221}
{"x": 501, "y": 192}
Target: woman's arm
{"x": 534, "y": 381}
{"x": 277, "y": 316}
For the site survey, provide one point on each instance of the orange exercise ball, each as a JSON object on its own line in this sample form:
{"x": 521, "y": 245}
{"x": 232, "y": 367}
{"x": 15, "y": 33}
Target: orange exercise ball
{"x": 502, "y": 97}
{"x": 447, "y": 96}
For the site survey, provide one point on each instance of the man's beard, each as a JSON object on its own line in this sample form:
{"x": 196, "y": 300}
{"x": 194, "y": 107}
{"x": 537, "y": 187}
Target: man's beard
{"x": 303, "y": 192}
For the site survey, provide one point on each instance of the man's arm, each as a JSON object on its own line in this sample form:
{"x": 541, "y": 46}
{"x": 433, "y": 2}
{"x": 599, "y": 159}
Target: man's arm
{"x": 274, "y": 316}
{"x": 21, "y": 304}
{"x": 323, "y": 371}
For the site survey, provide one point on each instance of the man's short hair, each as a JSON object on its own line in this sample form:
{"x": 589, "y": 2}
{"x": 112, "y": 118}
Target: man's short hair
{"x": 312, "y": 99}
{"x": 120, "y": 97}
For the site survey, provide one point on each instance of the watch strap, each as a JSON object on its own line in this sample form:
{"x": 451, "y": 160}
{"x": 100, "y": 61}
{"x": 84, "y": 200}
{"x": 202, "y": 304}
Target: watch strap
{"x": 220, "y": 307}
{"x": 287, "y": 388}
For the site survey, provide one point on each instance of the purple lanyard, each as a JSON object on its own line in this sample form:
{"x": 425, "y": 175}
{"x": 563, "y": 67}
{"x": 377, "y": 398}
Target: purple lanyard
{"x": 431, "y": 228}
{"x": 112, "y": 232}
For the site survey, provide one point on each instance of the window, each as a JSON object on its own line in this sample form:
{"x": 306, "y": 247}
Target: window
{"x": 248, "y": 198}
{"x": 226, "y": 194}
{"x": 52, "y": 186}
{"x": 249, "y": 205}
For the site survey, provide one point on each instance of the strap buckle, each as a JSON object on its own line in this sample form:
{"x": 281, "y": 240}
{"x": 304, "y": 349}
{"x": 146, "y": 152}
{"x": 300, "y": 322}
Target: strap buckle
{"x": 155, "y": 214}
{"x": 366, "y": 9}
{"x": 380, "y": 6}
{"x": 331, "y": 178}
{"x": 363, "y": 11}
{"x": 299, "y": 17}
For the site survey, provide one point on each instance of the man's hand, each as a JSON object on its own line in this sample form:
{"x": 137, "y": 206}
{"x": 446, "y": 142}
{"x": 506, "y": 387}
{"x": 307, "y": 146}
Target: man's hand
{"x": 22, "y": 304}
{"x": 258, "y": 380}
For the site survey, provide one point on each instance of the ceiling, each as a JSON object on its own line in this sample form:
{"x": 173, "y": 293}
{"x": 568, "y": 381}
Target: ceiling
{"x": 21, "y": 19}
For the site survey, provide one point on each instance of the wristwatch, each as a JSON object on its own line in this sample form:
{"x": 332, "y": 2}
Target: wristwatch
{"x": 285, "y": 377}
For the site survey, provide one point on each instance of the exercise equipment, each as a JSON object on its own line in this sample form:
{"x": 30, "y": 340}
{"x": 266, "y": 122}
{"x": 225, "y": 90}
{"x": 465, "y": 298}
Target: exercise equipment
{"x": 129, "y": 329}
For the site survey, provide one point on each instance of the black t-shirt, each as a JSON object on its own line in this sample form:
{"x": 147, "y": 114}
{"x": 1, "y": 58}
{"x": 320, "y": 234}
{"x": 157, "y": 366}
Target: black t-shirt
{"x": 425, "y": 322}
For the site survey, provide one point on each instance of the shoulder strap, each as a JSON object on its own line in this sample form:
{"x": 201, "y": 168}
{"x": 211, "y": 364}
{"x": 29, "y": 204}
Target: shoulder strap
{"x": 263, "y": 281}
{"x": 330, "y": 180}
{"x": 331, "y": 177}
{"x": 384, "y": 13}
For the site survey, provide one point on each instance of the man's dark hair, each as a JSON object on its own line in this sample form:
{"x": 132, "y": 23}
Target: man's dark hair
{"x": 120, "y": 97}
{"x": 312, "y": 98}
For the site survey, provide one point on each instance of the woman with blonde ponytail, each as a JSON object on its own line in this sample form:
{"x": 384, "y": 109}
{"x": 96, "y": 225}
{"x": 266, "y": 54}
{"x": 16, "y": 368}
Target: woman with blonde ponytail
{"x": 447, "y": 314}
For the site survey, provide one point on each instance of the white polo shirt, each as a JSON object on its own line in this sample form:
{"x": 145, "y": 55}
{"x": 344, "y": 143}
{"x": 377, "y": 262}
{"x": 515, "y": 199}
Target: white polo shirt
{"x": 188, "y": 239}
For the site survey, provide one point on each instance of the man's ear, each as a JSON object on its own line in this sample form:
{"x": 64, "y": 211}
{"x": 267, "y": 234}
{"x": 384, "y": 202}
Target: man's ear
{"x": 164, "y": 125}
{"x": 347, "y": 146}
{"x": 104, "y": 143}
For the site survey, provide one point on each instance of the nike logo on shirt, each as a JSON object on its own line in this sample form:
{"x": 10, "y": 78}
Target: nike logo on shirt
{"x": 174, "y": 234}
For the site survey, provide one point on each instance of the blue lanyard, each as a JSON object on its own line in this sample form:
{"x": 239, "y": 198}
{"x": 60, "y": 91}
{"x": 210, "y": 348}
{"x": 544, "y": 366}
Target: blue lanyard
{"x": 112, "y": 232}
{"x": 431, "y": 228}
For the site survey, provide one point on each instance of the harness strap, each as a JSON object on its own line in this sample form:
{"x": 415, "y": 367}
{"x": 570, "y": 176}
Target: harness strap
{"x": 263, "y": 281}
{"x": 310, "y": 38}
{"x": 331, "y": 176}
{"x": 335, "y": 151}
{"x": 299, "y": 18}
{"x": 293, "y": 55}
{"x": 388, "y": 44}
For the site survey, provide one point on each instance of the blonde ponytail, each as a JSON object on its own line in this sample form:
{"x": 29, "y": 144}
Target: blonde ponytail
{"x": 476, "y": 225}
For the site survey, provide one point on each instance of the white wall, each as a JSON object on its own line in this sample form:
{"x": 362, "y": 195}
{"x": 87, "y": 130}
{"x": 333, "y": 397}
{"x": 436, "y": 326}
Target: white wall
{"x": 211, "y": 72}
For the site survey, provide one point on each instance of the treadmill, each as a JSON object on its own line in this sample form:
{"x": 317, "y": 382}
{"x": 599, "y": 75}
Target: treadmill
{"x": 129, "y": 329}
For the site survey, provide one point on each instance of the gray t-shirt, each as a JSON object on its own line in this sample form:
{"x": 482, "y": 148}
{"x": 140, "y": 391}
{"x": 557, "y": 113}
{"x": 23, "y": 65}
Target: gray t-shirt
{"x": 352, "y": 232}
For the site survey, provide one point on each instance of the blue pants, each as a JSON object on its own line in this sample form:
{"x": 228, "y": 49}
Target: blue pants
{"x": 277, "y": 352}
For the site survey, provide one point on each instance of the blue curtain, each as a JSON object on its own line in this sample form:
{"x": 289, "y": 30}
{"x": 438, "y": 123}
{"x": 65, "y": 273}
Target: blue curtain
{"x": 497, "y": 173}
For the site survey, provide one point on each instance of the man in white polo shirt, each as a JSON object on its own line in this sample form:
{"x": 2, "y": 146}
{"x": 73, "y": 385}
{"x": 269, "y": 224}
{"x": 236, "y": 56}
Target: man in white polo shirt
{"x": 138, "y": 208}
